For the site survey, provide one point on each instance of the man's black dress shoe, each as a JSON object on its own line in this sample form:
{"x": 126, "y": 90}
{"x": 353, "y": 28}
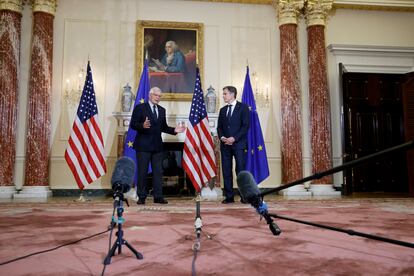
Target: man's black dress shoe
{"x": 160, "y": 201}
{"x": 141, "y": 201}
{"x": 227, "y": 201}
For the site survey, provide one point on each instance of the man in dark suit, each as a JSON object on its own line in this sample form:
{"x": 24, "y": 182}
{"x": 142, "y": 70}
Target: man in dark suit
{"x": 149, "y": 120}
{"x": 232, "y": 127}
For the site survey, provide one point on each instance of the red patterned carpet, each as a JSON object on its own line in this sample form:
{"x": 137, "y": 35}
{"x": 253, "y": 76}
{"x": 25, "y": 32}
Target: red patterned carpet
{"x": 240, "y": 243}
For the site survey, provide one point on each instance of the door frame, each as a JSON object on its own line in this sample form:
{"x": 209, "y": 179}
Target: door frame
{"x": 358, "y": 59}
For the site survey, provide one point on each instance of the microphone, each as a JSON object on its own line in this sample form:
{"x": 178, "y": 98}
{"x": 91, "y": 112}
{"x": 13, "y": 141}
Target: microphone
{"x": 251, "y": 194}
{"x": 123, "y": 175}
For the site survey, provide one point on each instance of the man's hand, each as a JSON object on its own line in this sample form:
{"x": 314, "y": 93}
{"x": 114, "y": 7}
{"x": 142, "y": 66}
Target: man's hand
{"x": 147, "y": 123}
{"x": 227, "y": 140}
{"x": 230, "y": 141}
{"x": 180, "y": 128}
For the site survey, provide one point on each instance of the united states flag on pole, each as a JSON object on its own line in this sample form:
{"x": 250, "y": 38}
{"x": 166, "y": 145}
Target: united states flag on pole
{"x": 85, "y": 152}
{"x": 199, "y": 161}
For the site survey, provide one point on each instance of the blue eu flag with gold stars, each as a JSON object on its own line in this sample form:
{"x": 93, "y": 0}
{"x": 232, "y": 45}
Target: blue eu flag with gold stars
{"x": 142, "y": 96}
{"x": 256, "y": 161}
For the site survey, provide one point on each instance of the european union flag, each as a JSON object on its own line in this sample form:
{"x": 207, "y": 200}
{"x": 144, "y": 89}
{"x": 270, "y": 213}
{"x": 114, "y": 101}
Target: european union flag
{"x": 142, "y": 96}
{"x": 256, "y": 161}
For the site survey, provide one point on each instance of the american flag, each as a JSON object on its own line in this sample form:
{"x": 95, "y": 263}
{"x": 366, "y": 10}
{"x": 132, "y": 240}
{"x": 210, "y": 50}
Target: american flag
{"x": 199, "y": 161}
{"x": 85, "y": 152}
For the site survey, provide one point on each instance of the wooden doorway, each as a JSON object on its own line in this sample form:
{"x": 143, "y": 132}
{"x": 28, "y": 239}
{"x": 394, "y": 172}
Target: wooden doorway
{"x": 374, "y": 121}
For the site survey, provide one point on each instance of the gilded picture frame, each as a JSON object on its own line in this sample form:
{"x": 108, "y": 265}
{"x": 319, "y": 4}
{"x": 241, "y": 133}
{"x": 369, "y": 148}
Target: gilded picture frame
{"x": 172, "y": 70}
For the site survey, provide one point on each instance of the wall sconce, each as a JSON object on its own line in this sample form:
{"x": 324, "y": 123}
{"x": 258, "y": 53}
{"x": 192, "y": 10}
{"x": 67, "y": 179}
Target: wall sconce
{"x": 261, "y": 95}
{"x": 73, "y": 88}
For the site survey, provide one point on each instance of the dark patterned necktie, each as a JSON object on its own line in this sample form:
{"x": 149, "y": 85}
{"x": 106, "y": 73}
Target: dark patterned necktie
{"x": 228, "y": 111}
{"x": 154, "y": 109}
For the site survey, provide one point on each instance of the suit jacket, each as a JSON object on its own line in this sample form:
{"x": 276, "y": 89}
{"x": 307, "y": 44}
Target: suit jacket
{"x": 149, "y": 139}
{"x": 236, "y": 127}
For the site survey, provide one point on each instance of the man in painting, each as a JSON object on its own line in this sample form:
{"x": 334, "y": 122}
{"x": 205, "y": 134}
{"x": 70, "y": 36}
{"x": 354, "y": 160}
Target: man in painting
{"x": 173, "y": 60}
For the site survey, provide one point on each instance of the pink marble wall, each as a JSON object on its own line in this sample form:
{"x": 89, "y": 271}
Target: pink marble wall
{"x": 290, "y": 105}
{"x": 40, "y": 88}
{"x": 320, "y": 123}
{"x": 10, "y": 32}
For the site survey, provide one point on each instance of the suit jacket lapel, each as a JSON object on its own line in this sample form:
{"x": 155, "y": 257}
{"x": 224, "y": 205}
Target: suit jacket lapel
{"x": 236, "y": 109}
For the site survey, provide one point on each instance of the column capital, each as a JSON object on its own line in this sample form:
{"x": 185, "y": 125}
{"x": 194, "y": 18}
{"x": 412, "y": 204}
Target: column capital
{"x": 316, "y": 11}
{"x": 12, "y": 5}
{"x": 47, "y": 6}
{"x": 288, "y": 10}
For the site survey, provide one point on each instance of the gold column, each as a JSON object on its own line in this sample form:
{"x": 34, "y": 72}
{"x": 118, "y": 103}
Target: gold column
{"x": 40, "y": 90}
{"x": 10, "y": 40}
{"x": 288, "y": 12}
{"x": 316, "y": 12}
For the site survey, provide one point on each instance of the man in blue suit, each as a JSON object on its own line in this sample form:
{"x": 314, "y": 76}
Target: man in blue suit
{"x": 233, "y": 124}
{"x": 149, "y": 120}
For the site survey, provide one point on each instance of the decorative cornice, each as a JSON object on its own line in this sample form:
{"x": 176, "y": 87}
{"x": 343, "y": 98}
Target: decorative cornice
{"x": 365, "y": 50}
{"x": 257, "y": 2}
{"x": 316, "y": 11}
{"x": 47, "y": 6}
{"x": 376, "y": 59}
{"x": 11, "y": 5}
{"x": 288, "y": 10}
{"x": 385, "y": 5}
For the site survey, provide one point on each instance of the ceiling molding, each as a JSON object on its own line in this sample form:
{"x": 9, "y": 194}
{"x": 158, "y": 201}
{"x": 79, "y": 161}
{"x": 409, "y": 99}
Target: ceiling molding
{"x": 383, "y": 5}
{"x": 257, "y": 2}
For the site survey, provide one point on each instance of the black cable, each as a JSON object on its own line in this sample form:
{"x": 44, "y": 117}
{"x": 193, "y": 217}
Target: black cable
{"x": 111, "y": 228}
{"x": 347, "y": 231}
{"x": 193, "y": 268}
{"x": 57, "y": 247}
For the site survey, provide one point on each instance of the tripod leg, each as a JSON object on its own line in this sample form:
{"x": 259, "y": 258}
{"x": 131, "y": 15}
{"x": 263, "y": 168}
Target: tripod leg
{"x": 137, "y": 254}
{"x": 111, "y": 253}
{"x": 119, "y": 240}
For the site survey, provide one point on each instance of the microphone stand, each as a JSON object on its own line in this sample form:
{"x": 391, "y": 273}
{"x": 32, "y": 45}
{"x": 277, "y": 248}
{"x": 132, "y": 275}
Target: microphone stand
{"x": 354, "y": 163}
{"x": 119, "y": 198}
{"x": 198, "y": 224}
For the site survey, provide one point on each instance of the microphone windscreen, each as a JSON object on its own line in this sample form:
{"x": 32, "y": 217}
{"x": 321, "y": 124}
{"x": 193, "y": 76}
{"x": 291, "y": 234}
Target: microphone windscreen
{"x": 123, "y": 175}
{"x": 247, "y": 186}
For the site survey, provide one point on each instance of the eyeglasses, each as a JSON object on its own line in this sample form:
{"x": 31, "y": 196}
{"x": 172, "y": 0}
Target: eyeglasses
{"x": 157, "y": 95}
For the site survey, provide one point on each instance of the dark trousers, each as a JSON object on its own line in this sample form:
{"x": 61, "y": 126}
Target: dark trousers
{"x": 227, "y": 154}
{"x": 143, "y": 159}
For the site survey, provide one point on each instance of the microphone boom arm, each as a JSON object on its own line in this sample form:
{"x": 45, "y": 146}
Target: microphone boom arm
{"x": 347, "y": 231}
{"x": 342, "y": 167}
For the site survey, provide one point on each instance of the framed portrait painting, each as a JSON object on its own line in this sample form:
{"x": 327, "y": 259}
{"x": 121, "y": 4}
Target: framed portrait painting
{"x": 173, "y": 50}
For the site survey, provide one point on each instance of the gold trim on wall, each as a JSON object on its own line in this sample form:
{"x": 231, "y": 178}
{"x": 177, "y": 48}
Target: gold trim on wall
{"x": 197, "y": 27}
